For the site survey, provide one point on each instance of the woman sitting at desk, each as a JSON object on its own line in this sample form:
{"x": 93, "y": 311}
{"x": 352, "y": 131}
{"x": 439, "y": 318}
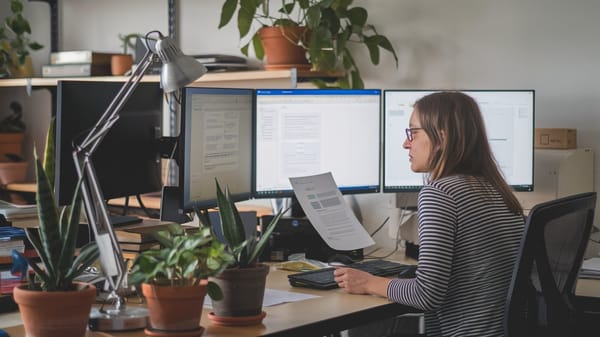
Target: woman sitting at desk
{"x": 470, "y": 224}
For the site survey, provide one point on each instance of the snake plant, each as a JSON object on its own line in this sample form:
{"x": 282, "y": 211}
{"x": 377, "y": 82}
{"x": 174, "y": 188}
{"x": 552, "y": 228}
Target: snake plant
{"x": 246, "y": 251}
{"x": 56, "y": 237}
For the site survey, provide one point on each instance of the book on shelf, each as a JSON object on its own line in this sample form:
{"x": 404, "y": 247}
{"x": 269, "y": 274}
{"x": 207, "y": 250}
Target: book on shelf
{"x": 75, "y": 70}
{"x": 80, "y": 56}
{"x": 12, "y": 211}
{"x": 220, "y": 58}
{"x": 6, "y": 247}
{"x": 138, "y": 247}
{"x": 142, "y": 233}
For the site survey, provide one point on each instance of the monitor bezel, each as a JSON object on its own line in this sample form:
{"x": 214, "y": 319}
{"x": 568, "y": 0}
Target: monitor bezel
{"x": 185, "y": 203}
{"x": 417, "y": 188}
{"x": 289, "y": 193}
{"x": 150, "y": 187}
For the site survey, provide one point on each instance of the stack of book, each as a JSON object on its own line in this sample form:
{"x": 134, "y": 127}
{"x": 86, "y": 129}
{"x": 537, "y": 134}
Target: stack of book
{"x": 77, "y": 63}
{"x": 590, "y": 268}
{"x": 136, "y": 239}
{"x": 222, "y": 62}
{"x": 11, "y": 238}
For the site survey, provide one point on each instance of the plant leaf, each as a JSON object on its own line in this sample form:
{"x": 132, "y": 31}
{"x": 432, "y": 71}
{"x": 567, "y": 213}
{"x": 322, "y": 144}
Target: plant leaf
{"x": 227, "y": 12}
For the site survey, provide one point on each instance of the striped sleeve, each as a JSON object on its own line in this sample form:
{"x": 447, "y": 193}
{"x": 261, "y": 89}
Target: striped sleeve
{"x": 437, "y": 219}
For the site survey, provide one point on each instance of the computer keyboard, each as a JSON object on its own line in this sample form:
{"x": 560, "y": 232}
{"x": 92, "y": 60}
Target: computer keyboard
{"x": 323, "y": 278}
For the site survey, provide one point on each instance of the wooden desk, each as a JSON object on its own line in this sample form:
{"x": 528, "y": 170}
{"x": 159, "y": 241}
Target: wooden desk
{"x": 333, "y": 311}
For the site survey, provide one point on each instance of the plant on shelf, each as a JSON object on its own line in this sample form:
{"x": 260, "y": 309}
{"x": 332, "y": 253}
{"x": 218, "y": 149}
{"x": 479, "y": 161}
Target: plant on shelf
{"x": 120, "y": 64}
{"x": 12, "y": 134}
{"x": 128, "y": 41}
{"x": 16, "y": 44}
{"x": 174, "y": 277}
{"x": 243, "y": 282}
{"x": 332, "y": 26}
{"x": 53, "y": 303}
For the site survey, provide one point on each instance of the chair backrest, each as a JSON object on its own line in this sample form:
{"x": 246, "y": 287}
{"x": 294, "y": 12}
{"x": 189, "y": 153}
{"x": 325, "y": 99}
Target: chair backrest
{"x": 540, "y": 299}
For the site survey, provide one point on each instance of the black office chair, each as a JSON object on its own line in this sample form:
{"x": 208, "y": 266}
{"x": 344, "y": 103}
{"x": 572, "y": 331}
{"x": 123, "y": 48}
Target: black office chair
{"x": 541, "y": 299}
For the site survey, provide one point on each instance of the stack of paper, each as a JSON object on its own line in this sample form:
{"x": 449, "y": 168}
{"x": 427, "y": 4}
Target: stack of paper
{"x": 590, "y": 268}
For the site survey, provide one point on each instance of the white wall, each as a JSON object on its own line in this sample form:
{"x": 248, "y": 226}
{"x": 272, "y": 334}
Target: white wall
{"x": 549, "y": 46}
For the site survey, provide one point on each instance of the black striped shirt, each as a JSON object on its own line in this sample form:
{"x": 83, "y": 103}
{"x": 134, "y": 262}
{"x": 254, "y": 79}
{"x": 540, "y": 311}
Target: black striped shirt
{"x": 468, "y": 245}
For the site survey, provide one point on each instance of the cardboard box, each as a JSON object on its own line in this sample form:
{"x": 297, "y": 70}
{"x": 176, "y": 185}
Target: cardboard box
{"x": 555, "y": 138}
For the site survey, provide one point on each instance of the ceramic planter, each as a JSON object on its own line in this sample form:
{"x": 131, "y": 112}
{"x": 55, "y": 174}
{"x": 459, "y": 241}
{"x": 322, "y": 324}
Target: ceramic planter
{"x": 174, "y": 309}
{"x": 11, "y": 143}
{"x": 281, "y": 47}
{"x": 55, "y": 313}
{"x": 243, "y": 293}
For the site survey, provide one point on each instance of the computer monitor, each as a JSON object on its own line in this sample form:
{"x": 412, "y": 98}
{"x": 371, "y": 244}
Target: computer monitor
{"x": 127, "y": 161}
{"x": 215, "y": 143}
{"x": 509, "y": 119}
{"x": 302, "y": 132}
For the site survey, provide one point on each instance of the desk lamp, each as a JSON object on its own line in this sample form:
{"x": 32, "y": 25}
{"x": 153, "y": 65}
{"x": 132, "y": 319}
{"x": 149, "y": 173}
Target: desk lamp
{"x": 177, "y": 71}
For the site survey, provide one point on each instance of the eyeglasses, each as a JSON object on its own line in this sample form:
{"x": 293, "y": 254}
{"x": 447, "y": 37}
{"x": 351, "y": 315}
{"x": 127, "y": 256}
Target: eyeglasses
{"x": 409, "y": 133}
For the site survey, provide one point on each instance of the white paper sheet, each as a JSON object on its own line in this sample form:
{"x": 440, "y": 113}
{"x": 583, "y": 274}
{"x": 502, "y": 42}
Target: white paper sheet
{"x": 274, "y": 297}
{"x": 328, "y": 212}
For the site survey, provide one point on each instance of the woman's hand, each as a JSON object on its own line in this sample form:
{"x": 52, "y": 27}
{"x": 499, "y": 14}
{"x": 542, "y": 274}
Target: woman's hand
{"x": 356, "y": 281}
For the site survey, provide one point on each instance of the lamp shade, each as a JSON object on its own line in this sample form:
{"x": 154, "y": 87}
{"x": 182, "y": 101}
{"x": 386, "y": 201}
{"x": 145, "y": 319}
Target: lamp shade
{"x": 178, "y": 70}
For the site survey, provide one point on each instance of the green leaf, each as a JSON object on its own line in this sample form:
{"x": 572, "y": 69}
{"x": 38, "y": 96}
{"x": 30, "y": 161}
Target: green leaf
{"x": 265, "y": 237}
{"x": 233, "y": 229}
{"x": 48, "y": 216}
{"x": 259, "y": 51}
{"x": 214, "y": 291}
{"x": 16, "y": 6}
{"x": 372, "y": 44}
{"x": 357, "y": 16}
{"x": 313, "y": 17}
{"x": 245, "y": 18}
{"x": 49, "y": 152}
{"x": 227, "y": 12}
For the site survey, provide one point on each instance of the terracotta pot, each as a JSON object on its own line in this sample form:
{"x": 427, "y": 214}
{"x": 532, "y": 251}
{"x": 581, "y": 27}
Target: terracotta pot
{"x": 13, "y": 172}
{"x": 11, "y": 142}
{"x": 120, "y": 64}
{"x": 243, "y": 291}
{"x": 281, "y": 47}
{"x": 175, "y": 308}
{"x": 55, "y": 313}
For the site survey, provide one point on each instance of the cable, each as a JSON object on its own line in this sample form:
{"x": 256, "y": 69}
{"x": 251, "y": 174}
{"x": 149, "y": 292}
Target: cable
{"x": 150, "y": 214}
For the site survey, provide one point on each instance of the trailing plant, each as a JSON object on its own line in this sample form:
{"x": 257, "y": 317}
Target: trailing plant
{"x": 15, "y": 40}
{"x": 185, "y": 259}
{"x": 333, "y": 26}
{"x": 246, "y": 249}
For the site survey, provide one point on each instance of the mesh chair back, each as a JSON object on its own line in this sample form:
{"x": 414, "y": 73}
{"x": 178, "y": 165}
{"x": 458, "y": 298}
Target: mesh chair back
{"x": 542, "y": 291}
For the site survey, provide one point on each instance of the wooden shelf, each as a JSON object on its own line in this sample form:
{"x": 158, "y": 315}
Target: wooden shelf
{"x": 262, "y": 78}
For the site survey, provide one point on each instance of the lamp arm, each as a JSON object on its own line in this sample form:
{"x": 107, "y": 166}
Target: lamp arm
{"x": 111, "y": 114}
{"x": 97, "y": 214}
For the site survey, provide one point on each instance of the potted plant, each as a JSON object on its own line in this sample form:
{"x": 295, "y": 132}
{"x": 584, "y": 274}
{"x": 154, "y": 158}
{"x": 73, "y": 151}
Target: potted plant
{"x": 16, "y": 44}
{"x": 121, "y": 63}
{"x": 52, "y": 303}
{"x": 174, "y": 278}
{"x": 331, "y": 27}
{"x": 243, "y": 282}
{"x": 12, "y": 134}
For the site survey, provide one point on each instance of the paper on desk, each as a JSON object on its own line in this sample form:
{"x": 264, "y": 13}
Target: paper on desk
{"x": 328, "y": 212}
{"x": 274, "y": 297}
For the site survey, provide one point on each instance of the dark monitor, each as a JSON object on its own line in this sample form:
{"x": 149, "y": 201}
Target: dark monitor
{"x": 302, "y": 132}
{"x": 509, "y": 119}
{"x": 215, "y": 143}
{"x": 127, "y": 161}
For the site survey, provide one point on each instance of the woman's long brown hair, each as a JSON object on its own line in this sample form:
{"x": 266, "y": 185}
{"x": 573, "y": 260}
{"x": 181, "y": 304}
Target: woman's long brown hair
{"x": 454, "y": 124}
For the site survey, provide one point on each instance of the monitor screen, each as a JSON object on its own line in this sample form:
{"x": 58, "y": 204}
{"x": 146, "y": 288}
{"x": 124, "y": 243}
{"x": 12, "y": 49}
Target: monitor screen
{"x": 509, "y": 119}
{"x": 127, "y": 161}
{"x": 215, "y": 143}
{"x": 303, "y": 132}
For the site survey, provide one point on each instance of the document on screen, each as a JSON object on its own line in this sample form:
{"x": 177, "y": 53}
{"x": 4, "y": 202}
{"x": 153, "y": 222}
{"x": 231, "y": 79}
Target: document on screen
{"x": 329, "y": 213}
